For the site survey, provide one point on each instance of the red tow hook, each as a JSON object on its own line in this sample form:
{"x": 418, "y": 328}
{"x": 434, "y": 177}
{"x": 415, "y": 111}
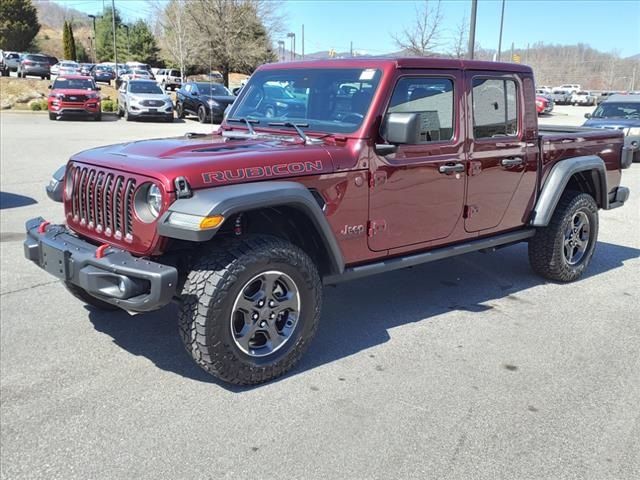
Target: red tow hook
{"x": 42, "y": 228}
{"x": 101, "y": 249}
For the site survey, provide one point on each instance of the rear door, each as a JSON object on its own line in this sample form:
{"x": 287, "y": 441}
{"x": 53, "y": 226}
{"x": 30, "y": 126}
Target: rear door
{"x": 498, "y": 152}
{"x": 417, "y": 193}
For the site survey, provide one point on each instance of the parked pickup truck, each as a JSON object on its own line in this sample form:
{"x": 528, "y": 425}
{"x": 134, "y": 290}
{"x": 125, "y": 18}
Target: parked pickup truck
{"x": 386, "y": 164}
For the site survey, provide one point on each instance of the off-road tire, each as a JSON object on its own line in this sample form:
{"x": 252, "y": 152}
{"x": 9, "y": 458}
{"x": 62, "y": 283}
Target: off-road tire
{"x": 215, "y": 280}
{"x": 84, "y": 297}
{"x": 547, "y": 246}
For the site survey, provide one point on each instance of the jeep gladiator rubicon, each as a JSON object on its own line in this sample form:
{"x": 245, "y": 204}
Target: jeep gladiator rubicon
{"x": 324, "y": 171}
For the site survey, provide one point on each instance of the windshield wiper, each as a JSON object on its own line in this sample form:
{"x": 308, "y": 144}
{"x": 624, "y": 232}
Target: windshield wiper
{"x": 298, "y": 128}
{"x": 247, "y": 122}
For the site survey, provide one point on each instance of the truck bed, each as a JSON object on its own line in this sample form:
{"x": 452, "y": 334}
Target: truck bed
{"x": 558, "y": 142}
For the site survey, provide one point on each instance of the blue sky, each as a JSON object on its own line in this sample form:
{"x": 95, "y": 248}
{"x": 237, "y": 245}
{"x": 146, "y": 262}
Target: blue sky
{"x": 606, "y": 25}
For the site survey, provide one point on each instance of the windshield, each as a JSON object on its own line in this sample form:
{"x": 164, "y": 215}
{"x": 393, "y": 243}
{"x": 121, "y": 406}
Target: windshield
{"x": 326, "y": 100}
{"x": 212, "y": 89}
{"x": 618, "y": 110}
{"x": 145, "y": 87}
{"x": 74, "y": 83}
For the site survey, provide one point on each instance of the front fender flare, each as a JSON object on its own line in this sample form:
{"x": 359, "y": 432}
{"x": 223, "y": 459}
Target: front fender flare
{"x": 557, "y": 181}
{"x": 229, "y": 200}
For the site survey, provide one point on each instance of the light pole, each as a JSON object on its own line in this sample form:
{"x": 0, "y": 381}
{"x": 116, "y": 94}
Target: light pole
{"x": 113, "y": 23}
{"x": 501, "y": 24}
{"x": 281, "y": 50}
{"x": 95, "y": 55}
{"x": 472, "y": 28}
{"x": 292, "y": 36}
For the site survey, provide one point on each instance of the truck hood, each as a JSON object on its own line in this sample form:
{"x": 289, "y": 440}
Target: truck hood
{"x": 612, "y": 123}
{"x": 211, "y": 160}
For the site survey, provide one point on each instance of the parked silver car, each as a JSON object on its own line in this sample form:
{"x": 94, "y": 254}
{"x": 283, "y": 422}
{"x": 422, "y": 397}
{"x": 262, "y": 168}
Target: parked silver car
{"x": 34, "y": 65}
{"x": 144, "y": 99}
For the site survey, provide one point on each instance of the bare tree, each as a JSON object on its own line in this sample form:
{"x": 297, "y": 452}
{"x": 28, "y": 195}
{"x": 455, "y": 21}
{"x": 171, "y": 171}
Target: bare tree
{"x": 423, "y": 37}
{"x": 460, "y": 39}
{"x": 175, "y": 32}
{"x": 232, "y": 34}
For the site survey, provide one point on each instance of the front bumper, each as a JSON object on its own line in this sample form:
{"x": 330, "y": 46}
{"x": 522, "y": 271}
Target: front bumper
{"x": 64, "y": 109}
{"x": 116, "y": 277}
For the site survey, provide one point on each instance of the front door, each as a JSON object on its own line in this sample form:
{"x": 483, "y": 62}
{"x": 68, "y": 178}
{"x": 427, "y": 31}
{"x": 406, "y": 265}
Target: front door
{"x": 417, "y": 193}
{"x": 498, "y": 152}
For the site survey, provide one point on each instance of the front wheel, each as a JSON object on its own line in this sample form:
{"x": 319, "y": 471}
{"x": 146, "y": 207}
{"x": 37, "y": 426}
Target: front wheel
{"x": 202, "y": 114}
{"x": 179, "y": 110}
{"x": 249, "y": 308}
{"x": 562, "y": 250}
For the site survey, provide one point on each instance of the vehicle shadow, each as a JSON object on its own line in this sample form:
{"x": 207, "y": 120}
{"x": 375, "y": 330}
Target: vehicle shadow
{"x": 111, "y": 117}
{"x": 358, "y": 315}
{"x": 13, "y": 200}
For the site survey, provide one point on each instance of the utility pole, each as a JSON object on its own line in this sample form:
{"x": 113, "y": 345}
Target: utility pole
{"x": 511, "y": 52}
{"x": 351, "y": 48}
{"x": 472, "y": 28}
{"x": 303, "y": 41}
{"x": 113, "y": 22}
{"x": 633, "y": 80}
{"x": 501, "y": 25}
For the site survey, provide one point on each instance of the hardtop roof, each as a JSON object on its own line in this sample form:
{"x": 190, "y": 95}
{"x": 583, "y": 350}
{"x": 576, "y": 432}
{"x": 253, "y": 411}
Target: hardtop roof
{"x": 408, "y": 62}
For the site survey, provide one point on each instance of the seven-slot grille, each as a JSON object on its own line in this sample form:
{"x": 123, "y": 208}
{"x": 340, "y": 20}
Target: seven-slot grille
{"x": 103, "y": 201}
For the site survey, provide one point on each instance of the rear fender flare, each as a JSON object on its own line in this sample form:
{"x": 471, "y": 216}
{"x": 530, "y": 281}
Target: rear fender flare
{"x": 230, "y": 200}
{"x": 557, "y": 181}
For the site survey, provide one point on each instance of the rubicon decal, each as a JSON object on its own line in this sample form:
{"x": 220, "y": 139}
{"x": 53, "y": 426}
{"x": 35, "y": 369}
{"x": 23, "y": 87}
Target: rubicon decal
{"x": 223, "y": 176}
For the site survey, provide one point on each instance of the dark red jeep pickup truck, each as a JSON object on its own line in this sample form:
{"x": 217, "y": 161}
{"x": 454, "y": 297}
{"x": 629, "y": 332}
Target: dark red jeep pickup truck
{"x": 323, "y": 172}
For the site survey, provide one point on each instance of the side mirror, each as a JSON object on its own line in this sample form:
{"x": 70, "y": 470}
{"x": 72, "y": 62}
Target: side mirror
{"x": 401, "y": 128}
{"x": 50, "y": 87}
{"x": 587, "y": 115}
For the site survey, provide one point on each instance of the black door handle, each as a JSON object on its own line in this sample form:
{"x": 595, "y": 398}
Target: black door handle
{"x": 451, "y": 168}
{"x": 512, "y": 161}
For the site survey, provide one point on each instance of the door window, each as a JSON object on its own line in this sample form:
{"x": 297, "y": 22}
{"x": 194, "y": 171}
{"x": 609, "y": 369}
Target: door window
{"x": 432, "y": 99}
{"x": 495, "y": 108}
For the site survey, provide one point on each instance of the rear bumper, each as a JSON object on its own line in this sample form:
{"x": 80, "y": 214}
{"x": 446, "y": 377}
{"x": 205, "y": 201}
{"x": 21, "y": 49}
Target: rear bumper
{"x": 117, "y": 278}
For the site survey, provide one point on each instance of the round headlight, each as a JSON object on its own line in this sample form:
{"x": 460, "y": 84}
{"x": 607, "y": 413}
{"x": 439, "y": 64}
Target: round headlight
{"x": 154, "y": 199}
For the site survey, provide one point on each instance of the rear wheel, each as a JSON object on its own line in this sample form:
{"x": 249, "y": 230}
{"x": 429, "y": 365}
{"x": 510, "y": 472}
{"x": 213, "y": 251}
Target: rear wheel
{"x": 250, "y": 308}
{"x": 562, "y": 250}
{"x": 84, "y": 297}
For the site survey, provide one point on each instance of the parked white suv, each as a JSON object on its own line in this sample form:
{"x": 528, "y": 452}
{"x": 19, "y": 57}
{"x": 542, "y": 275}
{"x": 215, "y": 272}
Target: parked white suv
{"x": 570, "y": 87}
{"x": 169, "y": 78}
{"x": 583, "y": 98}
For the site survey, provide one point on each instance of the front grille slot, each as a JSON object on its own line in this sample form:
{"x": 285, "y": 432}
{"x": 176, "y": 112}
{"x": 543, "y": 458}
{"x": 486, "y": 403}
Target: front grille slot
{"x": 103, "y": 201}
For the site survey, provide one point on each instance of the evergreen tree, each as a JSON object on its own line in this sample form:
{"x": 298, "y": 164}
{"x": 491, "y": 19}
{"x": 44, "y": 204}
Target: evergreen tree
{"x": 18, "y": 25}
{"x": 104, "y": 37}
{"x": 72, "y": 43}
{"x": 66, "y": 41}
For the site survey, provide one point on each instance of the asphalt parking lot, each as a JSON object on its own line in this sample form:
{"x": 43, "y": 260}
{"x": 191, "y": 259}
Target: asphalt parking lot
{"x": 470, "y": 367}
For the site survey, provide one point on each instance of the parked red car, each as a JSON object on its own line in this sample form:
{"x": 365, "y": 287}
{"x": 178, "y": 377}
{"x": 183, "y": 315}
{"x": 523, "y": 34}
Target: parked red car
{"x": 542, "y": 105}
{"x": 74, "y": 95}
